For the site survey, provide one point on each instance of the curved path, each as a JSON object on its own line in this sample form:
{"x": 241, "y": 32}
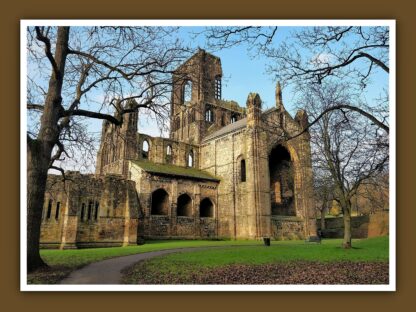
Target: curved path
{"x": 109, "y": 271}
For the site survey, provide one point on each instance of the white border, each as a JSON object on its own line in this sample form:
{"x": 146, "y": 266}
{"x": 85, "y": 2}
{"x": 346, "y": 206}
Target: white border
{"x": 174, "y": 22}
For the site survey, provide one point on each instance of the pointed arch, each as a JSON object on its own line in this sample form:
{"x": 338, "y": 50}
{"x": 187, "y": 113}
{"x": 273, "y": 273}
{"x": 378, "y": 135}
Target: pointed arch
{"x": 190, "y": 160}
{"x": 282, "y": 181}
{"x": 160, "y": 202}
{"x": 206, "y": 208}
{"x": 145, "y": 149}
{"x": 184, "y": 207}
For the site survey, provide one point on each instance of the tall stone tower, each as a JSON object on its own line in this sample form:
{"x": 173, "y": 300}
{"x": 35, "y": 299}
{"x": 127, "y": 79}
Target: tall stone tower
{"x": 196, "y": 89}
{"x": 258, "y": 213}
{"x": 118, "y": 144}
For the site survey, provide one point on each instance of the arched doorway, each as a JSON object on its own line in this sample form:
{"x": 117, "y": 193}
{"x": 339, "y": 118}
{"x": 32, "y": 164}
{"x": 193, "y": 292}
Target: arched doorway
{"x": 184, "y": 206}
{"x": 206, "y": 208}
{"x": 281, "y": 182}
{"x": 160, "y": 202}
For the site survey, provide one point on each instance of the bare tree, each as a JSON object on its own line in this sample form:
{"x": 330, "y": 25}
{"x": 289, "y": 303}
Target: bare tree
{"x": 68, "y": 68}
{"x": 345, "y": 146}
{"x": 311, "y": 55}
{"x": 323, "y": 190}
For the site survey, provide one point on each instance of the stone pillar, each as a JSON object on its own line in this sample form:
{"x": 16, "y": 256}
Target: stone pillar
{"x": 69, "y": 226}
{"x": 257, "y": 203}
{"x": 253, "y": 110}
{"x": 173, "y": 208}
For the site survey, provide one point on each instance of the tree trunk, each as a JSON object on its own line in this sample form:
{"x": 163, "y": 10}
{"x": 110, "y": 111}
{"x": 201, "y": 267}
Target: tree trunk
{"x": 39, "y": 151}
{"x": 37, "y": 168}
{"x": 323, "y": 219}
{"x": 347, "y": 225}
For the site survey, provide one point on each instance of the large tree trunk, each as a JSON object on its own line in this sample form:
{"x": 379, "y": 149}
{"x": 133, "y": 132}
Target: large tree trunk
{"x": 347, "y": 224}
{"x": 37, "y": 168}
{"x": 39, "y": 150}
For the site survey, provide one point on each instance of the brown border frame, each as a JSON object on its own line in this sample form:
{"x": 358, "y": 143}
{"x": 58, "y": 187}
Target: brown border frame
{"x": 12, "y": 298}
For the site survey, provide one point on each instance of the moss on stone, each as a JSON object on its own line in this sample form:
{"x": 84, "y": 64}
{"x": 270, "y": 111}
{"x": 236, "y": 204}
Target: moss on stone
{"x": 172, "y": 170}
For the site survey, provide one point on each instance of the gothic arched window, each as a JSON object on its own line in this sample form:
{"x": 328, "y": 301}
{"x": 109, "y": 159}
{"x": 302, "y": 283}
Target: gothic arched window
{"x": 145, "y": 149}
{"x": 191, "y": 159}
{"x": 243, "y": 170}
{"x": 187, "y": 91}
{"x": 209, "y": 114}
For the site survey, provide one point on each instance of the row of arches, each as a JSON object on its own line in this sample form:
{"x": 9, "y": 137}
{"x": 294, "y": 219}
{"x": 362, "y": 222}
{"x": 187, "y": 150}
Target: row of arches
{"x": 160, "y": 205}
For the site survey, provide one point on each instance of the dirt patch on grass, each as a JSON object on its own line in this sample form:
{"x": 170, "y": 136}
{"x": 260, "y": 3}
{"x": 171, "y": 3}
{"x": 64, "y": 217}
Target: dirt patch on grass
{"x": 281, "y": 273}
{"x": 49, "y": 275}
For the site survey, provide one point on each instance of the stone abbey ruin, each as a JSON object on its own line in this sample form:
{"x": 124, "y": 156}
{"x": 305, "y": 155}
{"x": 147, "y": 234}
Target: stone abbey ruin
{"x": 224, "y": 172}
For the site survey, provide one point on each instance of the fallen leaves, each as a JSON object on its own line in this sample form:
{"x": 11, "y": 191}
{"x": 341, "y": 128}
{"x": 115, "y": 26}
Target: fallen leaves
{"x": 306, "y": 272}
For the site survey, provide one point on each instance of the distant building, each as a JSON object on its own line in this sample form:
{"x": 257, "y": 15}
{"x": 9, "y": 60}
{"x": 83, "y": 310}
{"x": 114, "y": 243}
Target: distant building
{"x": 225, "y": 172}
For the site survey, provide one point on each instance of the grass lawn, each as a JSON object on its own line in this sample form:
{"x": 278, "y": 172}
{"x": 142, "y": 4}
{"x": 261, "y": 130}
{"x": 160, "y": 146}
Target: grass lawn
{"x": 62, "y": 262}
{"x": 187, "y": 267}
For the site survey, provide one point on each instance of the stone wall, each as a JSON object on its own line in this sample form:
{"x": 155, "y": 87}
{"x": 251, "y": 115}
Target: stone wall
{"x": 170, "y": 225}
{"x": 362, "y": 226}
{"x": 95, "y": 211}
{"x": 287, "y": 228}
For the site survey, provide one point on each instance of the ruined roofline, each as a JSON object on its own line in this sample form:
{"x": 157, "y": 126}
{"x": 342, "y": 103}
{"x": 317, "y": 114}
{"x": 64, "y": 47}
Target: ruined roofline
{"x": 72, "y": 176}
{"x": 233, "y": 127}
{"x": 194, "y": 56}
{"x": 173, "y": 170}
{"x": 230, "y": 105}
{"x": 162, "y": 138}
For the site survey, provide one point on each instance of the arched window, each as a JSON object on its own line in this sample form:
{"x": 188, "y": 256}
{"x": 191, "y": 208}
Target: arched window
{"x": 243, "y": 170}
{"x": 145, "y": 149}
{"x": 160, "y": 202}
{"x": 191, "y": 159}
{"x": 58, "y": 209}
{"x": 187, "y": 91}
{"x": 97, "y": 207}
{"x": 218, "y": 87}
{"x": 209, "y": 114}
{"x": 49, "y": 211}
{"x": 206, "y": 208}
{"x": 168, "y": 154}
{"x": 234, "y": 118}
{"x": 89, "y": 210}
{"x": 82, "y": 211}
{"x": 184, "y": 206}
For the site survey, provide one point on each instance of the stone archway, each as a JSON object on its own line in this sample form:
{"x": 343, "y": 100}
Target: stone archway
{"x": 160, "y": 202}
{"x": 282, "y": 182}
{"x": 184, "y": 206}
{"x": 206, "y": 208}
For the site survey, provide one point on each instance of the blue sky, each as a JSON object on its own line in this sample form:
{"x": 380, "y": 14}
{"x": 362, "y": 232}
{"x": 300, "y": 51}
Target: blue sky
{"x": 242, "y": 74}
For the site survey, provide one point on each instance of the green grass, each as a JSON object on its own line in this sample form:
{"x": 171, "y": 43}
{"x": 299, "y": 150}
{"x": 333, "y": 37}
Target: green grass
{"x": 182, "y": 266}
{"x": 374, "y": 249}
{"x": 79, "y": 257}
{"x": 62, "y": 262}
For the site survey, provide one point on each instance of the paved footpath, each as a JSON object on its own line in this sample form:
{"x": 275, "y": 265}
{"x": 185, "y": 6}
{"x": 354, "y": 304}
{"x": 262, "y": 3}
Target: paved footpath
{"x": 109, "y": 271}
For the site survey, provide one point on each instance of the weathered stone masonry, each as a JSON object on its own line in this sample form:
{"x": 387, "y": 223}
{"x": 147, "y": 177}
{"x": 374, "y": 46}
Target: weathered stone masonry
{"x": 224, "y": 172}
